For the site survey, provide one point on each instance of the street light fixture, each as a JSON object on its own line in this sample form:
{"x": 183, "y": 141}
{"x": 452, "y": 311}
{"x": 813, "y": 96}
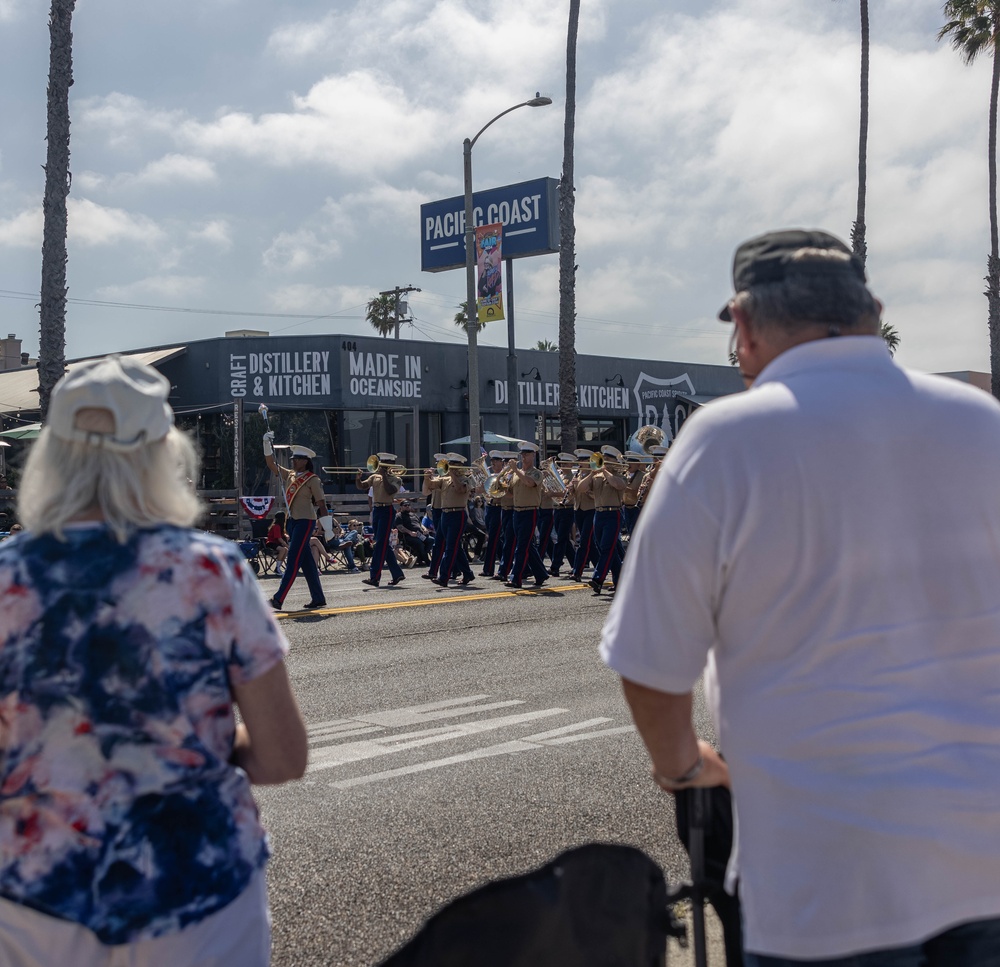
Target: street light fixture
{"x": 472, "y": 311}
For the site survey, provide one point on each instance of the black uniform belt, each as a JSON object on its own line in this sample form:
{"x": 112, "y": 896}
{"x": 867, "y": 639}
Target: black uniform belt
{"x": 383, "y": 505}
{"x": 525, "y": 508}
{"x": 451, "y": 510}
{"x": 608, "y": 508}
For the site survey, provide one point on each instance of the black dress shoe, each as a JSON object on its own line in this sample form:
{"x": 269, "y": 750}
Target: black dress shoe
{"x": 395, "y": 581}
{"x": 483, "y": 574}
{"x": 595, "y": 586}
{"x": 277, "y": 605}
{"x": 429, "y": 577}
{"x": 513, "y": 584}
{"x": 442, "y": 584}
{"x": 313, "y": 604}
{"x": 554, "y": 572}
{"x": 540, "y": 581}
{"x": 374, "y": 584}
{"x": 468, "y": 580}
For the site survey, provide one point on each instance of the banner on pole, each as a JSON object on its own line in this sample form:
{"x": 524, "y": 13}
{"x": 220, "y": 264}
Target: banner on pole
{"x": 488, "y": 257}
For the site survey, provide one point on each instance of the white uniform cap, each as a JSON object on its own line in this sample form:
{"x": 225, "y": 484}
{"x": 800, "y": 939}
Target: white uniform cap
{"x": 300, "y": 451}
{"x": 525, "y": 447}
{"x": 496, "y": 454}
{"x": 510, "y": 455}
{"x": 583, "y": 454}
{"x": 657, "y": 451}
{"x": 383, "y": 457}
{"x": 455, "y": 458}
{"x": 567, "y": 457}
{"x": 440, "y": 456}
{"x": 135, "y": 394}
{"x": 613, "y": 452}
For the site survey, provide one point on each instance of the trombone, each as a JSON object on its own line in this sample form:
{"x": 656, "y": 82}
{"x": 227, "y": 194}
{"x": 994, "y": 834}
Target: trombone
{"x": 598, "y": 462}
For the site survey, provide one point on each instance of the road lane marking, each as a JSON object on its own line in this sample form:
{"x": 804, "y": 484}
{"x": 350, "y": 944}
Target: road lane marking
{"x": 329, "y": 757}
{"x": 328, "y": 750}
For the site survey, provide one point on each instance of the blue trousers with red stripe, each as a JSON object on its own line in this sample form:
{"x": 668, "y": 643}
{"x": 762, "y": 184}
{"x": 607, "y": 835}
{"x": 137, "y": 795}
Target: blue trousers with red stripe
{"x": 563, "y": 549}
{"x": 607, "y": 532}
{"x": 382, "y": 553}
{"x": 585, "y": 550}
{"x": 525, "y": 553}
{"x": 545, "y": 521}
{"x": 454, "y": 556}
{"x": 506, "y": 540}
{"x": 299, "y": 556}
{"x": 492, "y": 539}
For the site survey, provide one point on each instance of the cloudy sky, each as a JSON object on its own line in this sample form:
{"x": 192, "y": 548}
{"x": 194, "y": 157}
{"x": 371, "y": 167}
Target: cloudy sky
{"x": 247, "y": 164}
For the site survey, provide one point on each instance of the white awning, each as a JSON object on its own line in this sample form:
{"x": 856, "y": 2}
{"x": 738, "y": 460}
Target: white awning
{"x": 19, "y": 387}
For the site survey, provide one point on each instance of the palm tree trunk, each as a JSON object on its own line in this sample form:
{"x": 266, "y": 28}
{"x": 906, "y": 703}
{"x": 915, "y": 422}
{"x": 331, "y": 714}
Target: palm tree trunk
{"x": 52, "y": 308}
{"x": 858, "y": 242}
{"x": 993, "y": 263}
{"x": 568, "y": 413}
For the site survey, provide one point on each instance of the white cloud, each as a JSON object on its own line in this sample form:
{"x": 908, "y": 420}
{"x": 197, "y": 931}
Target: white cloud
{"x": 157, "y": 289}
{"x": 217, "y": 233}
{"x": 295, "y": 252}
{"x": 23, "y": 230}
{"x": 91, "y": 224}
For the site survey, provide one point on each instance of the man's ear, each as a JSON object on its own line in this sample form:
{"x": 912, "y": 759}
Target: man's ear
{"x": 745, "y": 335}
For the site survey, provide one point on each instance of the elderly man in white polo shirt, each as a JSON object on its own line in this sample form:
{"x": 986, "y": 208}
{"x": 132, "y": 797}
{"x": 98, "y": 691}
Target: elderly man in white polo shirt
{"x": 829, "y": 544}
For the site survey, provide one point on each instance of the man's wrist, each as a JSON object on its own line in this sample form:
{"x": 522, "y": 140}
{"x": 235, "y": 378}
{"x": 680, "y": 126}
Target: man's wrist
{"x": 682, "y": 780}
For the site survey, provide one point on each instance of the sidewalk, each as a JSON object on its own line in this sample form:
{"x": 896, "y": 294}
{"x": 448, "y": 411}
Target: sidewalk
{"x": 677, "y": 956}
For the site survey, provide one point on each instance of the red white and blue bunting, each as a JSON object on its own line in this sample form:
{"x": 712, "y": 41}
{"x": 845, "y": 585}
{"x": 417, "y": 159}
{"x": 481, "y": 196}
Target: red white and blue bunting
{"x": 257, "y": 507}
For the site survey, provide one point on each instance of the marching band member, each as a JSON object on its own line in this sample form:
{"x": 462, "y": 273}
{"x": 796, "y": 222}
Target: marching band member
{"x": 385, "y": 485}
{"x": 562, "y": 522}
{"x": 583, "y": 516}
{"x": 493, "y": 516}
{"x": 546, "y": 518}
{"x": 657, "y": 453}
{"x": 607, "y": 486}
{"x": 630, "y": 496}
{"x": 435, "y": 494}
{"x": 305, "y": 501}
{"x": 526, "y": 486}
{"x": 455, "y": 490}
{"x": 506, "y": 522}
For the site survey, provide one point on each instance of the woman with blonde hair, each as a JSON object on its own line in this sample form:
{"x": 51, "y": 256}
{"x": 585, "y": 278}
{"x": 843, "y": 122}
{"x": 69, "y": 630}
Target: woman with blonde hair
{"x": 128, "y": 832}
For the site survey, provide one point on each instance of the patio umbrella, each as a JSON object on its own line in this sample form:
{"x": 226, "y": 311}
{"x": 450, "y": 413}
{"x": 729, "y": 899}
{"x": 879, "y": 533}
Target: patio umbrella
{"x": 488, "y": 437}
{"x": 28, "y": 432}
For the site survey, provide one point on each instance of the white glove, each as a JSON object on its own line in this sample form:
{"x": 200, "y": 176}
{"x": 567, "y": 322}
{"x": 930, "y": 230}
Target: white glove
{"x": 327, "y": 524}
{"x": 268, "y": 437}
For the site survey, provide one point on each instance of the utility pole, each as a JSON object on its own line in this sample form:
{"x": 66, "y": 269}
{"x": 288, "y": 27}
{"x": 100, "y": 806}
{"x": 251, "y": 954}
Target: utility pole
{"x": 399, "y": 289}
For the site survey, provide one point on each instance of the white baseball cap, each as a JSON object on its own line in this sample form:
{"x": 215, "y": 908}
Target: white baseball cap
{"x": 135, "y": 394}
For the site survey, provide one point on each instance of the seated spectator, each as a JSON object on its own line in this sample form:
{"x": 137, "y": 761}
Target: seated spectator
{"x": 276, "y": 542}
{"x": 5, "y": 488}
{"x": 347, "y": 541}
{"x": 412, "y": 535}
{"x": 427, "y": 521}
{"x": 318, "y": 548}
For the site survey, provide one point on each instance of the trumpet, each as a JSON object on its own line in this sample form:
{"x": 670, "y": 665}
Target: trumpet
{"x": 373, "y": 465}
{"x": 598, "y": 462}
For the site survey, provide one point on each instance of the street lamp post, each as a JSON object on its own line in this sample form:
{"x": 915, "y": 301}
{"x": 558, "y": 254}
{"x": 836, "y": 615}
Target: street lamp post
{"x": 472, "y": 311}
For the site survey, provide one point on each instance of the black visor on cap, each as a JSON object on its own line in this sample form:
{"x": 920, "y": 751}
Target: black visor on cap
{"x": 768, "y": 258}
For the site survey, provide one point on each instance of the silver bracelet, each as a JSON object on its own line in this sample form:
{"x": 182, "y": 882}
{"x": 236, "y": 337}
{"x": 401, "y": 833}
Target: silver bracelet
{"x": 664, "y": 783}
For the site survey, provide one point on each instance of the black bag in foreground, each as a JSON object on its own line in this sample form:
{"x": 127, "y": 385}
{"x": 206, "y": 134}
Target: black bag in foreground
{"x": 598, "y": 904}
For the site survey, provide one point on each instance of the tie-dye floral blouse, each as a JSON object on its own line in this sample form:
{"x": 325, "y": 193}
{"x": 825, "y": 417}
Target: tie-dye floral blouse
{"x": 119, "y": 809}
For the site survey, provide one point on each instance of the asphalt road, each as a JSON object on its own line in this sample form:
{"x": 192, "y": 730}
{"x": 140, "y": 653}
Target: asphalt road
{"x": 456, "y": 736}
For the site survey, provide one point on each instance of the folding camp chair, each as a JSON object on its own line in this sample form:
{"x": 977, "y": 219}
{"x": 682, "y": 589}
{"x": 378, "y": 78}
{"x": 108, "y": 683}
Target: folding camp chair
{"x": 266, "y": 560}
{"x": 597, "y": 904}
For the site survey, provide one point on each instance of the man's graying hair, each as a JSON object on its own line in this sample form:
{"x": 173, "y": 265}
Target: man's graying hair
{"x": 812, "y": 294}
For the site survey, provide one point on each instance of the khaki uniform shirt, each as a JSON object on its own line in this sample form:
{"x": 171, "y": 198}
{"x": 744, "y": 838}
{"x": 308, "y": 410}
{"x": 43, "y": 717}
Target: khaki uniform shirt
{"x": 524, "y": 494}
{"x": 605, "y": 495}
{"x": 307, "y": 498}
{"x": 382, "y": 485}
{"x": 455, "y": 492}
{"x": 583, "y": 501}
{"x": 630, "y": 496}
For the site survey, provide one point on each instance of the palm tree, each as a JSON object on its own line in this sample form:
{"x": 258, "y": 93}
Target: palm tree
{"x": 381, "y": 313}
{"x": 461, "y": 318}
{"x": 973, "y": 28}
{"x": 52, "y": 305}
{"x": 546, "y": 347}
{"x": 858, "y": 228}
{"x": 891, "y": 336}
{"x": 568, "y": 413}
